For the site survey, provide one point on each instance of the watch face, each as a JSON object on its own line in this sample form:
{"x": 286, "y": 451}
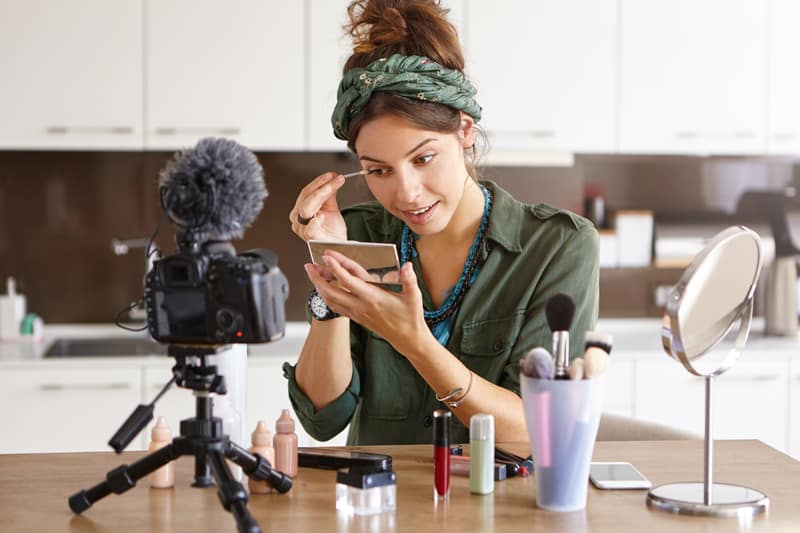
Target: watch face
{"x": 318, "y": 307}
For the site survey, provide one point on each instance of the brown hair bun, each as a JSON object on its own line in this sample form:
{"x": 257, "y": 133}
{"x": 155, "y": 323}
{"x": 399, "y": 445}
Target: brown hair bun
{"x": 381, "y": 28}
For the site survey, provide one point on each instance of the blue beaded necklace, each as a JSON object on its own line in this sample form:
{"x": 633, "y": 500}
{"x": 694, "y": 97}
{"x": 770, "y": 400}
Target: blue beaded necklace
{"x": 441, "y": 320}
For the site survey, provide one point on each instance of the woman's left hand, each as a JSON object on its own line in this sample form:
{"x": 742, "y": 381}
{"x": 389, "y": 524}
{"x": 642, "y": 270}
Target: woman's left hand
{"x": 395, "y": 316}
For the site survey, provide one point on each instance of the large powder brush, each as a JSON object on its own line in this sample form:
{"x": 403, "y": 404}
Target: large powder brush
{"x": 560, "y": 310}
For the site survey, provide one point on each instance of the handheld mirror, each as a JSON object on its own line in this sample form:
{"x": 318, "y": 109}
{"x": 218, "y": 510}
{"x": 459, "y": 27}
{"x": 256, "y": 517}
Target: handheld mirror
{"x": 713, "y": 296}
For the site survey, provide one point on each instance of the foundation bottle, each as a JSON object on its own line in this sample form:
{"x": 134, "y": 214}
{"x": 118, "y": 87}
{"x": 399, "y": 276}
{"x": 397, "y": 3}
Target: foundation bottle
{"x": 261, "y": 440}
{"x": 285, "y": 444}
{"x": 160, "y": 436}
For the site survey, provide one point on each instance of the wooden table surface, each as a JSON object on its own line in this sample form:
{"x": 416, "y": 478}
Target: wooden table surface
{"x": 34, "y": 489}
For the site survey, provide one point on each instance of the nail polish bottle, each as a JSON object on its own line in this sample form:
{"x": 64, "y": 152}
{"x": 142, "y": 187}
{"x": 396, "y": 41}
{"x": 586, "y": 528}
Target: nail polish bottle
{"x": 160, "y": 436}
{"x": 285, "y": 444}
{"x": 261, "y": 440}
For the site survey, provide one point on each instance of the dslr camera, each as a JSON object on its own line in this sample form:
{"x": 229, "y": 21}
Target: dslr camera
{"x": 206, "y": 294}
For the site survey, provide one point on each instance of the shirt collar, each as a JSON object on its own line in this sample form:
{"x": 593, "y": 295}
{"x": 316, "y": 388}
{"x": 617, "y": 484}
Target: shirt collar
{"x": 505, "y": 220}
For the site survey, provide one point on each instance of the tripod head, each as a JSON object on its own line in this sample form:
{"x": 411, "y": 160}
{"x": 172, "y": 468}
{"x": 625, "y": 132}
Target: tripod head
{"x": 191, "y": 371}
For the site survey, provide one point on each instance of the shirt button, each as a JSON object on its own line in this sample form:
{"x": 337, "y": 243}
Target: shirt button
{"x": 428, "y": 421}
{"x": 498, "y": 345}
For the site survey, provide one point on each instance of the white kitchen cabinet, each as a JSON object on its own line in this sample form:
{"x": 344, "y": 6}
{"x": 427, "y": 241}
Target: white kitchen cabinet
{"x": 545, "y": 72}
{"x": 65, "y": 407}
{"x": 234, "y": 69}
{"x": 619, "y": 387}
{"x": 784, "y": 78}
{"x": 749, "y": 401}
{"x": 328, "y": 50}
{"x": 72, "y": 74}
{"x": 794, "y": 409}
{"x": 693, "y": 76}
{"x": 268, "y": 393}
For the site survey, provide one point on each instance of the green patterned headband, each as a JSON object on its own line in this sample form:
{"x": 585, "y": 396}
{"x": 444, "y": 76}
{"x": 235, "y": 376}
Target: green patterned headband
{"x": 412, "y": 77}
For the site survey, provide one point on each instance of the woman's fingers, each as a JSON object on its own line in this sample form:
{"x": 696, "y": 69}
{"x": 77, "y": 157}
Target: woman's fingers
{"x": 320, "y": 191}
{"x": 351, "y": 266}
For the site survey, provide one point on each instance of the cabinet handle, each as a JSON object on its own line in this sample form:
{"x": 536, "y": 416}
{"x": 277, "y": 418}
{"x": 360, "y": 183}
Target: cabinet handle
{"x": 199, "y": 131}
{"x": 93, "y": 130}
{"x": 745, "y": 379}
{"x": 785, "y": 136}
{"x": 536, "y": 134}
{"x": 690, "y": 134}
{"x": 54, "y": 387}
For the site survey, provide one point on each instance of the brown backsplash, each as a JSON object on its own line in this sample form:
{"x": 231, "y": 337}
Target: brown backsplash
{"x": 60, "y": 210}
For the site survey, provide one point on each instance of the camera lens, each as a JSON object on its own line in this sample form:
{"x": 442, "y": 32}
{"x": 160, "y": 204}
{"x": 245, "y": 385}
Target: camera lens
{"x": 228, "y": 320}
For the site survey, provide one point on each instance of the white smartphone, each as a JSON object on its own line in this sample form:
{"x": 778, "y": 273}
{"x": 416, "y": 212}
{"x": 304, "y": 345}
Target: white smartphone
{"x": 617, "y": 476}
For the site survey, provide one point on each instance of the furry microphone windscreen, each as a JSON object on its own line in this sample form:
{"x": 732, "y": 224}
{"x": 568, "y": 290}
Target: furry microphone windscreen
{"x": 560, "y": 310}
{"x": 216, "y": 188}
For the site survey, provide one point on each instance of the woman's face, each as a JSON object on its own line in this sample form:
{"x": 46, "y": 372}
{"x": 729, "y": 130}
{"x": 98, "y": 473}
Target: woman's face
{"x": 417, "y": 175}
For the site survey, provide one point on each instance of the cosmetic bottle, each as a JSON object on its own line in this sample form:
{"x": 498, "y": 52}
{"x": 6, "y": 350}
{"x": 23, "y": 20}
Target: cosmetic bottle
{"x": 365, "y": 493}
{"x": 160, "y": 436}
{"x": 261, "y": 441}
{"x": 285, "y": 444}
{"x": 481, "y": 454}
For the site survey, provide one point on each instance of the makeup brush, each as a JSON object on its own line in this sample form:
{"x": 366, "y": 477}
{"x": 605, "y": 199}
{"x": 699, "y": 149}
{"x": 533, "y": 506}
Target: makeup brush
{"x": 560, "y": 310}
{"x": 537, "y": 363}
{"x": 575, "y": 370}
{"x": 354, "y": 174}
{"x": 596, "y": 359}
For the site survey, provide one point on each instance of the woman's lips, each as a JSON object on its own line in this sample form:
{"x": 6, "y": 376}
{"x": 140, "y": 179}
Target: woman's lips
{"x": 420, "y": 216}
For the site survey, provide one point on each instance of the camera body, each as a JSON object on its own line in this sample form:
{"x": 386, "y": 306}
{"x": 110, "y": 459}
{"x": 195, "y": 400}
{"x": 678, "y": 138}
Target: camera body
{"x": 209, "y": 295}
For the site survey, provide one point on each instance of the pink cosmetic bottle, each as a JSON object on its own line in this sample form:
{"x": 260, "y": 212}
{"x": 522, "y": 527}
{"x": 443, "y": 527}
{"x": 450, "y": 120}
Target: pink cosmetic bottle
{"x": 285, "y": 444}
{"x": 262, "y": 445}
{"x": 160, "y": 436}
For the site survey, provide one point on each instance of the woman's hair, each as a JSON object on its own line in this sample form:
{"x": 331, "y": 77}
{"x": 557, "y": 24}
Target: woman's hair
{"x": 382, "y": 28}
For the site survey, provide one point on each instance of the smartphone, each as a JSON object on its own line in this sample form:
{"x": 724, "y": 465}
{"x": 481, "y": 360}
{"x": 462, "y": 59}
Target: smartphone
{"x": 329, "y": 459}
{"x": 617, "y": 476}
{"x": 378, "y": 259}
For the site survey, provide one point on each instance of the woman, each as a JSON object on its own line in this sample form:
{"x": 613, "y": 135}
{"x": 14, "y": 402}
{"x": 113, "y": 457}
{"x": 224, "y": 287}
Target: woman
{"x": 478, "y": 266}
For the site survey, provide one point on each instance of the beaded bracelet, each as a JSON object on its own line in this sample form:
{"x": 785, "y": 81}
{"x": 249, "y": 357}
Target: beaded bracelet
{"x": 448, "y": 398}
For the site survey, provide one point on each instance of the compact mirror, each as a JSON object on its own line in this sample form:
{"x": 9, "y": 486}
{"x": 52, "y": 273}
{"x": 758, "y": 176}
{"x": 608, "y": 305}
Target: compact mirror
{"x": 712, "y": 298}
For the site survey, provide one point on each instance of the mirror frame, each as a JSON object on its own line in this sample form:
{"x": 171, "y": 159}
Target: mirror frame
{"x": 743, "y": 313}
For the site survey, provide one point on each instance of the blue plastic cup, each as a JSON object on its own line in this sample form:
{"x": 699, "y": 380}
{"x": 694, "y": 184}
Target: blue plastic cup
{"x": 562, "y": 418}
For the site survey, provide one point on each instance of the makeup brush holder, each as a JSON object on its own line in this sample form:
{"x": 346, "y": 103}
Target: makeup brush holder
{"x": 562, "y": 418}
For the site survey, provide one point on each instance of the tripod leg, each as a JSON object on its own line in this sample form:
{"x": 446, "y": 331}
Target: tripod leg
{"x": 122, "y": 478}
{"x": 231, "y": 493}
{"x": 258, "y": 467}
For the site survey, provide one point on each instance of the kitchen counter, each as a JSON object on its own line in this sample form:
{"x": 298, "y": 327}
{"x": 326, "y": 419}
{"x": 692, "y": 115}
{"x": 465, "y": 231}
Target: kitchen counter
{"x": 34, "y": 491}
{"x": 633, "y": 338}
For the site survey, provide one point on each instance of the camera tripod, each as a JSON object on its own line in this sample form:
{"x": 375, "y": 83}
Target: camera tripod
{"x": 201, "y": 436}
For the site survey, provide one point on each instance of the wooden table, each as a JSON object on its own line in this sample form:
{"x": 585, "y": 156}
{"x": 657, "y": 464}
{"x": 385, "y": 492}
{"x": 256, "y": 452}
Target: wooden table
{"x": 34, "y": 491}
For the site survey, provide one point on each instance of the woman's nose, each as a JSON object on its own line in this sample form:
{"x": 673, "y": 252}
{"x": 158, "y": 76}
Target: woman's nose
{"x": 409, "y": 185}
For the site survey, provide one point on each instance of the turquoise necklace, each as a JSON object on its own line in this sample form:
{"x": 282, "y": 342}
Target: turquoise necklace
{"x": 441, "y": 320}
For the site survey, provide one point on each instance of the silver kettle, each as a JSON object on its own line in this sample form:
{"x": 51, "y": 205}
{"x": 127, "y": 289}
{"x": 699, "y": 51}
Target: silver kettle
{"x": 780, "y": 282}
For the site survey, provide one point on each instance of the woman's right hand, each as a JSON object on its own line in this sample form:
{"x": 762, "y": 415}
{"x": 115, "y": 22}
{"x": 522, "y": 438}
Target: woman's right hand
{"x": 317, "y": 202}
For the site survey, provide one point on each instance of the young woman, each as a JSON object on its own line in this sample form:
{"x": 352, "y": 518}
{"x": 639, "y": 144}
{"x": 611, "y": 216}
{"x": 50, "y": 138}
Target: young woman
{"x": 478, "y": 266}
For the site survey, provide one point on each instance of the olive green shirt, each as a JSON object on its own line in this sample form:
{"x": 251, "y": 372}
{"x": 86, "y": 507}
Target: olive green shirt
{"x": 532, "y": 252}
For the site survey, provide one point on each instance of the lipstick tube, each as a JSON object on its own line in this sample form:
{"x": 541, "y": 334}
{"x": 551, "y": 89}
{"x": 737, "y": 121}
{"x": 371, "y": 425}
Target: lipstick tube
{"x": 441, "y": 454}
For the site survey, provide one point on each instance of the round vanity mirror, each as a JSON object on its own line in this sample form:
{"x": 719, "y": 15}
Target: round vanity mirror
{"x": 714, "y": 295}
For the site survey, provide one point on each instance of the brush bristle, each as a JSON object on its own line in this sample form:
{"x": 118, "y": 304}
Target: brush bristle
{"x": 601, "y": 340}
{"x": 538, "y": 363}
{"x": 560, "y": 310}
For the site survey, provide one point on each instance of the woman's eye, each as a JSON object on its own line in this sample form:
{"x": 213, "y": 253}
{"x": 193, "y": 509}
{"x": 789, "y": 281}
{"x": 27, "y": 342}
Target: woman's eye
{"x": 425, "y": 158}
{"x": 377, "y": 171}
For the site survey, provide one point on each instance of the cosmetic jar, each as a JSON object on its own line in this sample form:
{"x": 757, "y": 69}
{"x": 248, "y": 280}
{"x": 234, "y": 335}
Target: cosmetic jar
{"x": 365, "y": 493}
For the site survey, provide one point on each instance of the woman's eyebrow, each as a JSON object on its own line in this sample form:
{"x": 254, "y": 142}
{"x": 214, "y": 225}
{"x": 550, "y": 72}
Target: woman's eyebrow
{"x": 417, "y": 147}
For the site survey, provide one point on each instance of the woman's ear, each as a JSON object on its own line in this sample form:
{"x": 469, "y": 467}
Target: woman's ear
{"x": 466, "y": 132}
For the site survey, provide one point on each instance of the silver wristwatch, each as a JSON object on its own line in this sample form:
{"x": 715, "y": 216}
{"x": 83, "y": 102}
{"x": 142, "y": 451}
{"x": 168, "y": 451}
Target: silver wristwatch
{"x": 318, "y": 308}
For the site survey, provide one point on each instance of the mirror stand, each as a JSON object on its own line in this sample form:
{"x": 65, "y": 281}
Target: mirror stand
{"x": 709, "y": 498}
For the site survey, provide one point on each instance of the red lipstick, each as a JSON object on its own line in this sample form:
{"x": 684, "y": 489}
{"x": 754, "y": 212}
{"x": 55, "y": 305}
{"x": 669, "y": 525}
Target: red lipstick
{"x": 441, "y": 454}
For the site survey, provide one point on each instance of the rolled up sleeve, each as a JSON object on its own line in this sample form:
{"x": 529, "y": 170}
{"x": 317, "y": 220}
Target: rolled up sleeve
{"x": 325, "y": 423}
